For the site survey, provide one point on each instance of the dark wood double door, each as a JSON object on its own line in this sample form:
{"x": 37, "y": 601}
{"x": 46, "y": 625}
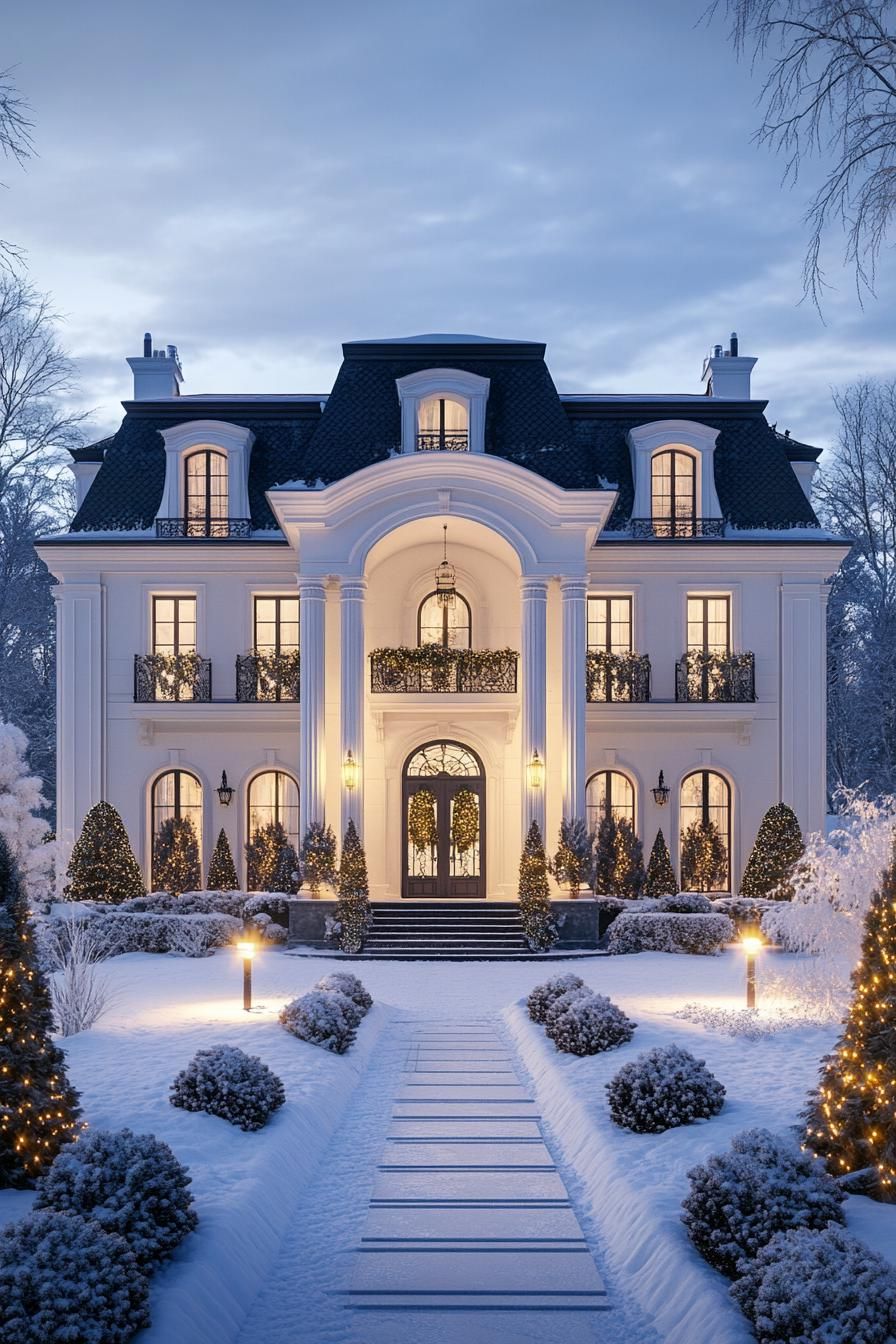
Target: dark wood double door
{"x": 443, "y": 824}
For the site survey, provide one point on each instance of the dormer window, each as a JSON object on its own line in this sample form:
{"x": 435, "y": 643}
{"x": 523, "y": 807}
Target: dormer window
{"x": 673, "y": 493}
{"x": 442, "y": 425}
{"x": 674, "y": 479}
{"x": 205, "y": 494}
{"x": 206, "y": 491}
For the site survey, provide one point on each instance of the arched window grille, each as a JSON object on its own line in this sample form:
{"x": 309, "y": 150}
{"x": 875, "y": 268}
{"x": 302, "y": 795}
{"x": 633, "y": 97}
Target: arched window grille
{"x": 452, "y": 627}
{"x": 205, "y": 493}
{"x": 274, "y": 796}
{"x": 706, "y": 797}
{"x": 673, "y": 492}
{"x": 177, "y": 794}
{"x": 609, "y": 791}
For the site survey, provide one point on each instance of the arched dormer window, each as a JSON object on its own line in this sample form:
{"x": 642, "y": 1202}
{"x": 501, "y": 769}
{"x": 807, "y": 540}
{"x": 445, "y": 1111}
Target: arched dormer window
{"x": 673, "y": 492}
{"x": 674, "y": 477}
{"x": 442, "y": 409}
{"x": 205, "y": 493}
{"x": 442, "y": 425}
{"x": 449, "y": 626}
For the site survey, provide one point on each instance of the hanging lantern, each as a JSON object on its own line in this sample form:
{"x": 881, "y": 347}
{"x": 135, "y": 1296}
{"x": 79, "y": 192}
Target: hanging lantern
{"x": 225, "y": 792}
{"x": 446, "y": 590}
{"x": 661, "y": 792}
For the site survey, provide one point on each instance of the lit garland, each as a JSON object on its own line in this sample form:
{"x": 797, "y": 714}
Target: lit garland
{"x": 103, "y": 866}
{"x": 464, "y": 823}
{"x": 445, "y": 668}
{"x": 778, "y": 849}
{"x": 422, "y": 830}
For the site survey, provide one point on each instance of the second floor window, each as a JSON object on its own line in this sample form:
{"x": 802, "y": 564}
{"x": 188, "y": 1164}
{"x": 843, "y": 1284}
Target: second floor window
{"x": 173, "y": 625}
{"x": 205, "y": 494}
{"x": 673, "y": 493}
{"x": 709, "y": 625}
{"x": 449, "y": 626}
{"x": 276, "y": 624}
{"x": 609, "y": 625}
{"x": 442, "y": 425}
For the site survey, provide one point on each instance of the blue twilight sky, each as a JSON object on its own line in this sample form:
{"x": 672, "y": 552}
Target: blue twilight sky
{"x": 257, "y": 183}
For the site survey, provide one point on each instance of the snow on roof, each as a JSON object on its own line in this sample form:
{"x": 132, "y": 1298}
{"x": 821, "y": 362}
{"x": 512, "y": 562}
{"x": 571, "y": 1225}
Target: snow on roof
{"x": 440, "y": 338}
{"x": 635, "y": 396}
{"x": 248, "y": 396}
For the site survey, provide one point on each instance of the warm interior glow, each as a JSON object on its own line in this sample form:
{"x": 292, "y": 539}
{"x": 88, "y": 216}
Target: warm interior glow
{"x": 246, "y": 950}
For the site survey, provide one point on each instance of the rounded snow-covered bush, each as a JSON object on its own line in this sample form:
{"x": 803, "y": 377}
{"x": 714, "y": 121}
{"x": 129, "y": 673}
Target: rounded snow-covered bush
{"x": 588, "y": 1025}
{"x": 267, "y": 903}
{"x": 826, "y": 1287}
{"x": 745, "y": 912}
{"x": 350, "y": 986}
{"x": 130, "y": 1184}
{"x": 225, "y": 1081}
{"x": 268, "y": 930}
{"x": 563, "y": 1001}
{"x": 323, "y": 1017}
{"x": 663, "y": 1088}
{"x": 210, "y": 903}
{"x": 63, "y": 1278}
{"x": 764, "y": 1185}
{"x": 654, "y": 931}
{"x": 542, "y": 996}
{"x": 685, "y": 903}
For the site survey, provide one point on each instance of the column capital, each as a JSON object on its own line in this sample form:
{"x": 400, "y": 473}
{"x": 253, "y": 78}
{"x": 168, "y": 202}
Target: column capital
{"x": 533, "y": 588}
{"x": 352, "y": 589}
{"x": 573, "y": 587}
{"x": 312, "y": 588}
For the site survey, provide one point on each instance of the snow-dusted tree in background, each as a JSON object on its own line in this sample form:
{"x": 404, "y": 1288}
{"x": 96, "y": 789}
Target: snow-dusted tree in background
{"x": 573, "y": 862}
{"x": 20, "y": 802}
{"x": 660, "y": 880}
{"x": 222, "y": 870}
{"x": 263, "y": 854}
{"x": 102, "y": 866}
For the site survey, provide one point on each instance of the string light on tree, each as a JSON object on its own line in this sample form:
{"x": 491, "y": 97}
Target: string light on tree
{"x": 778, "y": 848}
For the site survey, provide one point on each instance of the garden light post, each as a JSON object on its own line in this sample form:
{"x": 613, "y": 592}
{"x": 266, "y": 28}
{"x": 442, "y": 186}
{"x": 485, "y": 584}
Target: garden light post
{"x": 751, "y": 945}
{"x": 246, "y": 950}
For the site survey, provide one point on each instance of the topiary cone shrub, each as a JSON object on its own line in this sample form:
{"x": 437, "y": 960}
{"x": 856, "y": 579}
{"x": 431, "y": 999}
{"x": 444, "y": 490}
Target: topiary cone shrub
{"x": 775, "y": 854}
{"x": 102, "y": 866}
{"x": 175, "y": 857}
{"x": 534, "y": 894}
{"x": 318, "y": 857}
{"x": 660, "y": 879}
{"x": 222, "y": 869}
{"x": 352, "y": 911}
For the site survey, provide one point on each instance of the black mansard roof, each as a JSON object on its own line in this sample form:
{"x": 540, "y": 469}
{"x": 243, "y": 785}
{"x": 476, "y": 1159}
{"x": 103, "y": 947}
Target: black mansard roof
{"x": 578, "y": 442}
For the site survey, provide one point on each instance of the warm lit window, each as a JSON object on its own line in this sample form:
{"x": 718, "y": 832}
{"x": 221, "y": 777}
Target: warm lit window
{"x": 205, "y": 494}
{"x": 609, "y": 792}
{"x": 442, "y": 424}
{"x": 709, "y": 625}
{"x": 610, "y": 624}
{"x": 706, "y": 798}
{"x": 276, "y": 624}
{"x": 274, "y": 797}
{"x": 673, "y": 492}
{"x": 173, "y": 625}
{"x": 177, "y": 795}
{"x": 449, "y": 626}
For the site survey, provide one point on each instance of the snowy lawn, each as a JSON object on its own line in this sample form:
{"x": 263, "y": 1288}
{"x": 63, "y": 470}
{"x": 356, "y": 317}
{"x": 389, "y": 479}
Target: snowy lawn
{"x": 248, "y": 1185}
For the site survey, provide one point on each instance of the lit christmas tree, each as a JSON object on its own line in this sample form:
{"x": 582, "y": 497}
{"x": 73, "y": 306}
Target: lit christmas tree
{"x": 704, "y": 862}
{"x": 850, "y": 1119}
{"x": 352, "y": 910}
{"x": 222, "y": 870}
{"x": 778, "y": 848}
{"x": 318, "y": 856}
{"x": 102, "y": 866}
{"x": 38, "y": 1107}
{"x": 535, "y": 894}
{"x": 605, "y": 856}
{"x": 263, "y": 854}
{"x": 573, "y": 863}
{"x": 286, "y": 874}
{"x": 660, "y": 873}
{"x": 175, "y": 857}
{"x": 618, "y": 859}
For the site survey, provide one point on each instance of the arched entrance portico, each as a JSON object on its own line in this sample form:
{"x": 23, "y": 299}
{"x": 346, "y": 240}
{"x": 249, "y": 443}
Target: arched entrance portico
{"x": 443, "y": 828}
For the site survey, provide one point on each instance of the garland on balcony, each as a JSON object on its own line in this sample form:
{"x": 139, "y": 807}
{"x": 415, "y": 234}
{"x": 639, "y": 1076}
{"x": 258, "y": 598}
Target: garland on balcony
{"x": 180, "y": 667}
{"x": 422, "y": 831}
{"x": 277, "y": 669}
{"x": 436, "y": 658}
{"x": 465, "y": 820}
{"x": 618, "y": 673}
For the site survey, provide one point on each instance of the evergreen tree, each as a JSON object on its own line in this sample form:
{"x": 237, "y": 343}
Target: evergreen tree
{"x": 286, "y": 874}
{"x": 20, "y": 800}
{"x": 263, "y": 855}
{"x": 629, "y": 873}
{"x": 535, "y": 895}
{"x": 175, "y": 857}
{"x": 222, "y": 870}
{"x": 704, "y": 861}
{"x": 850, "y": 1118}
{"x": 102, "y": 866}
{"x": 778, "y": 849}
{"x": 660, "y": 873}
{"x": 573, "y": 862}
{"x": 38, "y": 1107}
{"x": 605, "y": 856}
{"x": 318, "y": 856}
{"x": 352, "y": 909}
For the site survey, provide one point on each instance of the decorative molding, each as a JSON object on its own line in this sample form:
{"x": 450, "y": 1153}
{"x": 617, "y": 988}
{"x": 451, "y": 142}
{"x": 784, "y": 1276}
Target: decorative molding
{"x": 234, "y": 440}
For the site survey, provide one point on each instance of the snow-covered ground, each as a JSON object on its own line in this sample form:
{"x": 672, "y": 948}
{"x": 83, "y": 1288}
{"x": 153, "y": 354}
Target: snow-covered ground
{"x": 267, "y": 1200}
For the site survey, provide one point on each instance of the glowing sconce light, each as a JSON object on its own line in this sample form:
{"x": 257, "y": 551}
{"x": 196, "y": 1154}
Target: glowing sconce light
{"x": 661, "y": 792}
{"x": 752, "y": 945}
{"x": 246, "y": 950}
{"x": 446, "y": 592}
{"x": 350, "y": 771}
{"x": 535, "y": 771}
{"x": 224, "y": 791}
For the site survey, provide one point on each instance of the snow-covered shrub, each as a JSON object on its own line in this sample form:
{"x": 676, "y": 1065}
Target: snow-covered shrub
{"x": 267, "y": 903}
{"x": 267, "y": 930}
{"x": 62, "y": 1277}
{"x": 685, "y": 903}
{"x": 563, "y": 1001}
{"x": 210, "y": 903}
{"x": 349, "y": 985}
{"x": 588, "y": 1025}
{"x": 80, "y": 990}
{"x": 155, "y": 903}
{"x": 130, "y": 1184}
{"x": 542, "y": 996}
{"x": 700, "y": 935}
{"x": 322, "y": 1017}
{"x": 199, "y": 935}
{"x": 227, "y": 1082}
{"x": 189, "y": 935}
{"x": 663, "y": 1088}
{"x": 764, "y": 1185}
{"x": 818, "y": 1288}
{"x": 745, "y": 912}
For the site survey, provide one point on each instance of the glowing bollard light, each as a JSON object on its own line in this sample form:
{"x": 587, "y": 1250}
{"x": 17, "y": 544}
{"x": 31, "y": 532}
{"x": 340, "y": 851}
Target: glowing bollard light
{"x": 751, "y": 945}
{"x": 246, "y": 950}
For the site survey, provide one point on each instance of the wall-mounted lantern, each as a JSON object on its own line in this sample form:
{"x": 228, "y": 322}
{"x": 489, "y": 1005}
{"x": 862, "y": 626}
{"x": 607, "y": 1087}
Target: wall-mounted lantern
{"x": 535, "y": 771}
{"x": 661, "y": 792}
{"x": 225, "y": 792}
{"x": 350, "y": 771}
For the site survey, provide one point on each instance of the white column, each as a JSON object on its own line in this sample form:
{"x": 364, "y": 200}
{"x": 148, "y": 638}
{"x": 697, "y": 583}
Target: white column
{"x": 803, "y": 682}
{"x": 534, "y": 601}
{"x": 80, "y": 704}
{"x": 572, "y": 596}
{"x": 312, "y": 772}
{"x": 351, "y": 600}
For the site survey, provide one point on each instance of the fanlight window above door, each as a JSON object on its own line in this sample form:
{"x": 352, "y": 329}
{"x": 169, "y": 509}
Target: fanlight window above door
{"x": 444, "y": 758}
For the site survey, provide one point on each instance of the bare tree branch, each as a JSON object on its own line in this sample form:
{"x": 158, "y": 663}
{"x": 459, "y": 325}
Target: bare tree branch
{"x": 15, "y": 144}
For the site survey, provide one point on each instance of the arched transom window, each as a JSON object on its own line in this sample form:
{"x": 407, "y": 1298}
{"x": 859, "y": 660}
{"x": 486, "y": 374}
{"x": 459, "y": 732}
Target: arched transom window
{"x": 177, "y": 795}
{"x": 705, "y": 851}
{"x": 609, "y": 792}
{"x": 442, "y": 425}
{"x": 673, "y": 493}
{"x": 274, "y": 797}
{"x": 449, "y": 626}
{"x": 205, "y": 494}
{"x": 444, "y": 758}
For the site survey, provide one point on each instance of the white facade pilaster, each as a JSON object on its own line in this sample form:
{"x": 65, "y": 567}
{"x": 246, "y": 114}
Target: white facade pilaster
{"x": 352, "y": 593}
{"x": 80, "y": 703}
{"x": 803, "y": 682}
{"x": 573, "y": 596}
{"x": 533, "y": 641}
{"x": 312, "y": 708}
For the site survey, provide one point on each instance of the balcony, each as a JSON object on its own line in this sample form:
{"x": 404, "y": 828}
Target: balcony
{"x": 170, "y": 677}
{"x": 715, "y": 678}
{"x": 433, "y": 669}
{"x": 203, "y": 529}
{"x": 267, "y": 677}
{"x": 443, "y": 441}
{"x": 643, "y": 529}
{"x": 617, "y": 677}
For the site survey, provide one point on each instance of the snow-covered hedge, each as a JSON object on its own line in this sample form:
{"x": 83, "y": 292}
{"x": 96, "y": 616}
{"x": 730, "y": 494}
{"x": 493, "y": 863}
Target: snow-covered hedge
{"x": 63, "y": 1278}
{"x": 225, "y": 1081}
{"x": 818, "y": 1288}
{"x": 542, "y": 996}
{"x": 663, "y": 1088}
{"x": 700, "y": 935}
{"x": 563, "y": 1001}
{"x": 764, "y": 1185}
{"x": 267, "y": 903}
{"x": 211, "y": 903}
{"x": 323, "y": 1017}
{"x": 589, "y": 1024}
{"x": 744, "y": 911}
{"x": 349, "y": 985}
{"x": 130, "y": 1184}
{"x": 268, "y": 930}
{"x": 685, "y": 903}
{"x": 116, "y": 932}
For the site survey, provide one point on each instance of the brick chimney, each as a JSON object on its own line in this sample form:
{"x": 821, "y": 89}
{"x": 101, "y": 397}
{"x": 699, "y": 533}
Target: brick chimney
{"x": 727, "y": 373}
{"x": 157, "y": 373}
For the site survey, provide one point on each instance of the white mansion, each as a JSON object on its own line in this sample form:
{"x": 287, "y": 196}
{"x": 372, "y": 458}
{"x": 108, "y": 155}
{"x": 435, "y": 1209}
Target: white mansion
{"x": 443, "y": 574}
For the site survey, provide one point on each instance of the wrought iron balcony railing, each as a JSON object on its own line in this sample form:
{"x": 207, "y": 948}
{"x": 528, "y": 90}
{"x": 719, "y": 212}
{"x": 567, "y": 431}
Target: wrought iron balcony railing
{"x": 172, "y": 676}
{"x": 204, "y": 528}
{"x": 729, "y": 678}
{"x": 449, "y": 441}
{"x": 620, "y": 677}
{"x": 433, "y": 669}
{"x": 645, "y": 528}
{"x": 267, "y": 676}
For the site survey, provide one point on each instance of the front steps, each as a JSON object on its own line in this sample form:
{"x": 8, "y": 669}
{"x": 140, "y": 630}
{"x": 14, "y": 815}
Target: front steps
{"x": 447, "y": 930}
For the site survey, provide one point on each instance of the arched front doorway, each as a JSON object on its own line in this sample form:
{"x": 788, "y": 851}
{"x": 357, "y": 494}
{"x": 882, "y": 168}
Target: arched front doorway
{"x": 443, "y": 829}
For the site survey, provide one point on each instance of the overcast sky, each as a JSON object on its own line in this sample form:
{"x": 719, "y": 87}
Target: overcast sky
{"x": 257, "y": 183}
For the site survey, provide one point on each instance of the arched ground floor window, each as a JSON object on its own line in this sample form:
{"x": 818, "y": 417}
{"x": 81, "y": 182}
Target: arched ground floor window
{"x": 177, "y": 795}
{"x": 705, "y": 800}
{"x": 609, "y": 791}
{"x": 274, "y": 796}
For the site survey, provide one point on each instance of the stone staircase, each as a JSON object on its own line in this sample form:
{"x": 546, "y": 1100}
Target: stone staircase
{"x": 447, "y": 930}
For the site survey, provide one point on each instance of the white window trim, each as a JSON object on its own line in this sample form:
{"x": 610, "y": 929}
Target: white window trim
{"x": 734, "y": 593}
{"x": 235, "y": 441}
{"x": 197, "y": 590}
{"x": 646, "y": 440}
{"x": 468, "y": 388}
